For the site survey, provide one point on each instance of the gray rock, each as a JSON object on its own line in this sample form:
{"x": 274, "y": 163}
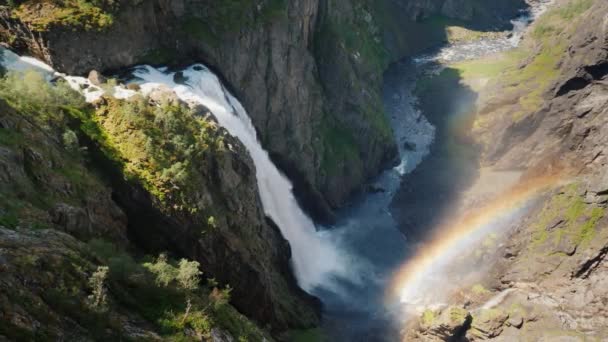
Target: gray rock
{"x": 96, "y": 78}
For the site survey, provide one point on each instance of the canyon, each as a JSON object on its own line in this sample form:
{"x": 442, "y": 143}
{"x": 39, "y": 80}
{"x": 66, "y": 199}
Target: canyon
{"x": 399, "y": 127}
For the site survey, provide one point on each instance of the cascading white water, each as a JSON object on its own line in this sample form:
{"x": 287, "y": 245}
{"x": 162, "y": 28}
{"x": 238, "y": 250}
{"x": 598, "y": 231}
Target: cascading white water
{"x": 315, "y": 260}
{"x": 313, "y": 257}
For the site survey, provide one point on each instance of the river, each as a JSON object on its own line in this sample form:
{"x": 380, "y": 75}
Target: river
{"x": 350, "y": 265}
{"x": 437, "y": 163}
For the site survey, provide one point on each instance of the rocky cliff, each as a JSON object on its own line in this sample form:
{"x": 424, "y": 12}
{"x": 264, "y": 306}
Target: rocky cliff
{"x": 68, "y": 167}
{"x": 548, "y": 111}
{"x": 308, "y": 72}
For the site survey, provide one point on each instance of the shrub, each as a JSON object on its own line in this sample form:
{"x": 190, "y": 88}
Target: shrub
{"x": 165, "y": 272}
{"x": 188, "y": 275}
{"x": 98, "y": 299}
{"x": 70, "y": 140}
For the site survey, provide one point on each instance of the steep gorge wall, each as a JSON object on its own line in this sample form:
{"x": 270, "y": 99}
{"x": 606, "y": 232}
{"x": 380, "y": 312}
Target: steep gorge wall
{"x": 308, "y": 72}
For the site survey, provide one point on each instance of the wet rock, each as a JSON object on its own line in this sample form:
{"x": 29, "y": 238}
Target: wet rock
{"x": 179, "y": 78}
{"x": 133, "y": 86}
{"x": 409, "y": 146}
{"x": 373, "y": 188}
{"x": 96, "y": 78}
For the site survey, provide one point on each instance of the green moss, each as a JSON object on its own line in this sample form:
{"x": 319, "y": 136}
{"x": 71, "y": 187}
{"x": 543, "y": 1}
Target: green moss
{"x": 580, "y": 219}
{"x": 458, "y": 315}
{"x": 339, "y": 146}
{"x": 9, "y": 220}
{"x": 311, "y": 335}
{"x": 199, "y": 29}
{"x": 428, "y": 317}
{"x": 9, "y": 137}
{"x": 75, "y": 14}
{"x": 480, "y": 290}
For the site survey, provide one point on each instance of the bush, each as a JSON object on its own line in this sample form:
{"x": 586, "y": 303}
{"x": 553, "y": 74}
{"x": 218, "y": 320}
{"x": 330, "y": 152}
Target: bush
{"x": 188, "y": 275}
{"x": 165, "y": 272}
{"x": 41, "y": 102}
{"x": 97, "y": 282}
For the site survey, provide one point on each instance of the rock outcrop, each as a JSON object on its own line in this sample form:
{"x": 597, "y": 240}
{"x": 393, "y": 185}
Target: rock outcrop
{"x": 308, "y": 72}
{"x": 547, "y": 279}
{"x": 82, "y": 187}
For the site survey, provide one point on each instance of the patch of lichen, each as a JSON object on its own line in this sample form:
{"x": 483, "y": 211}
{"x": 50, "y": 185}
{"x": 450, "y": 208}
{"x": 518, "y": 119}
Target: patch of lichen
{"x": 73, "y": 14}
{"x": 573, "y": 219}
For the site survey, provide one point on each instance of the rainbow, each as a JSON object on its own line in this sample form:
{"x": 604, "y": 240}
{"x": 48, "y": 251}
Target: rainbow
{"x": 415, "y": 277}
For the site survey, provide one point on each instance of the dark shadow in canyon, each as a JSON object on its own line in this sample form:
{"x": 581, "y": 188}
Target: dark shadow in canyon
{"x": 428, "y": 194}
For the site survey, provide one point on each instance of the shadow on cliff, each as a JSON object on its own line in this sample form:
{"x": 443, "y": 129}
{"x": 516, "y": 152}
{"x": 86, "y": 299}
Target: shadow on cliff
{"x": 430, "y": 192}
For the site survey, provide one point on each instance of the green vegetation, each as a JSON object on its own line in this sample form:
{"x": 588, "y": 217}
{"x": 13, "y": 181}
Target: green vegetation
{"x": 98, "y": 299}
{"x": 521, "y": 77}
{"x": 340, "y": 147}
{"x": 37, "y": 113}
{"x": 171, "y": 295}
{"x": 457, "y": 314}
{"x": 232, "y": 15}
{"x": 428, "y": 317}
{"x": 311, "y": 335}
{"x": 360, "y": 37}
{"x": 75, "y": 14}
{"x": 479, "y": 290}
{"x": 161, "y": 146}
{"x": 579, "y": 219}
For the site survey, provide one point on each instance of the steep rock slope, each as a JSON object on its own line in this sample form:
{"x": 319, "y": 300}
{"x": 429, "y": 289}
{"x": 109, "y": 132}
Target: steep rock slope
{"x": 96, "y": 184}
{"x": 260, "y": 47}
{"x": 308, "y": 72}
{"x": 547, "y": 280}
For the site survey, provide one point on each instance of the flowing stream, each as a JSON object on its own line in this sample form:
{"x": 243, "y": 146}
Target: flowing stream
{"x": 349, "y": 265}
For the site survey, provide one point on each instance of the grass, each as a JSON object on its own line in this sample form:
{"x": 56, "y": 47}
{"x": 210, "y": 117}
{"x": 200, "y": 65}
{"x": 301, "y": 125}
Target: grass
{"x": 133, "y": 286}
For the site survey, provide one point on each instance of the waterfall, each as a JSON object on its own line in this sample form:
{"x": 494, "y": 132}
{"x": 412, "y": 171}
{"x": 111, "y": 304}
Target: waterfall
{"x": 313, "y": 258}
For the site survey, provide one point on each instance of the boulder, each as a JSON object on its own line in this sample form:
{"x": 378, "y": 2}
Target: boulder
{"x": 96, "y": 78}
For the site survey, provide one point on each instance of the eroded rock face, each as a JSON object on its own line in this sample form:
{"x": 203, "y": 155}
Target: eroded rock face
{"x": 38, "y": 170}
{"x": 549, "y": 278}
{"x": 265, "y": 54}
{"x": 45, "y": 186}
{"x": 301, "y": 85}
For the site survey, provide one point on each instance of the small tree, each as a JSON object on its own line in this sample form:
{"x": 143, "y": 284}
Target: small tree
{"x": 70, "y": 140}
{"x": 164, "y": 271}
{"x": 188, "y": 276}
{"x": 98, "y": 299}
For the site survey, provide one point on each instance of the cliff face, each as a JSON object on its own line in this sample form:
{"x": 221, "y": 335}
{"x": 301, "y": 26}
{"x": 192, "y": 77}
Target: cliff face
{"x": 74, "y": 171}
{"x": 308, "y": 72}
{"x": 547, "y": 280}
{"x": 262, "y": 48}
